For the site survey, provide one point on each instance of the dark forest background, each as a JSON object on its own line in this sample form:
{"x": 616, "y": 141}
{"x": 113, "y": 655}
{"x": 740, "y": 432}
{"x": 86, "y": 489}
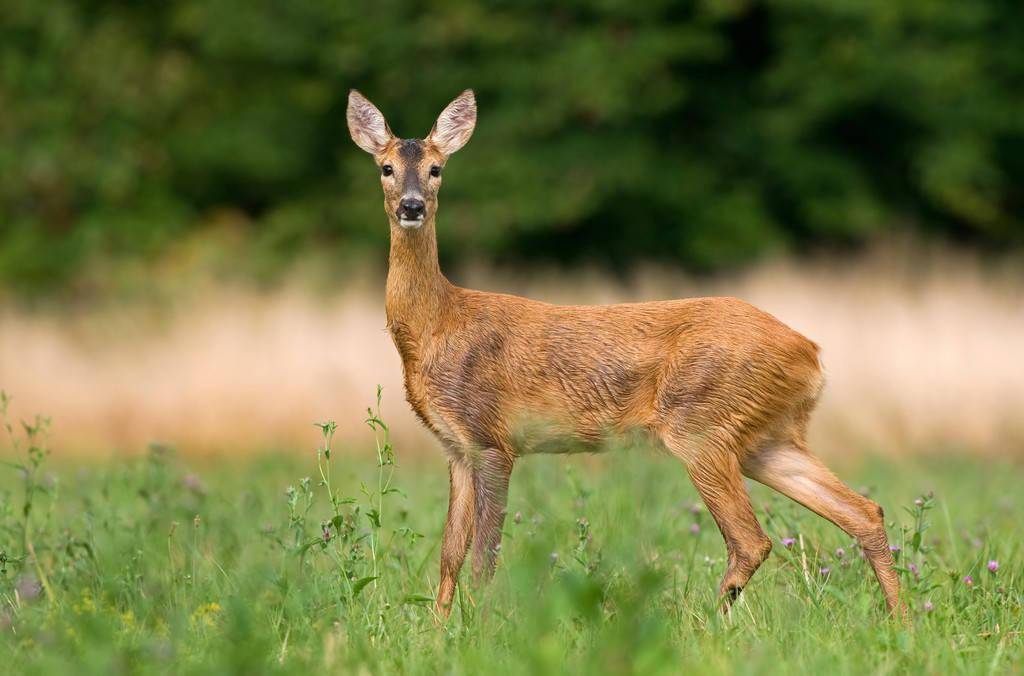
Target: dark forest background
{"x": 706, "y": 134}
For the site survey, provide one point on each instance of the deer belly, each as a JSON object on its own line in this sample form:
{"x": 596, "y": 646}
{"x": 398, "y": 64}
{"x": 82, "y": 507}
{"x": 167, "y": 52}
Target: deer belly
{"x": 535, "y": 432}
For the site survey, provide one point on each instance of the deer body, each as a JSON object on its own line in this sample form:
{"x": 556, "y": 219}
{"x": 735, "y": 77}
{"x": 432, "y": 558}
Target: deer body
{"x": 490, "y": 368}
{"x": 722, "y": 385}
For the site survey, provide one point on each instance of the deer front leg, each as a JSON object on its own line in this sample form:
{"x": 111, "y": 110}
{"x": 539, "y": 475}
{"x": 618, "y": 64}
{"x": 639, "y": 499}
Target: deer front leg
{"x": 458, "y": 531}
{"x": 491, "y": 471}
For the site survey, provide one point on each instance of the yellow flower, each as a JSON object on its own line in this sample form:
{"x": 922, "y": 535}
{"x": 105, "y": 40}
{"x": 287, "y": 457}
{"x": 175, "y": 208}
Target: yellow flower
{"x": 205, "y": 616}
{"x": 127, "y": 621}
{"x": 86, "y": 604}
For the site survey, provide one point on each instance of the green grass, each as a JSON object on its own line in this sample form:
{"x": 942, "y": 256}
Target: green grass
{"x": 162, "y": 564}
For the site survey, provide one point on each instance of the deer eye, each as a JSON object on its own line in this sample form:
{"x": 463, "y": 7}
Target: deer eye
{"x": 435, "y": 171}
{"x": 387, "y": 170}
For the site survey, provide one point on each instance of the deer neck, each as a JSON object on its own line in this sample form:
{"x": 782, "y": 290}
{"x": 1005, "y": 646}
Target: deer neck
{"x": 416, "y": 289}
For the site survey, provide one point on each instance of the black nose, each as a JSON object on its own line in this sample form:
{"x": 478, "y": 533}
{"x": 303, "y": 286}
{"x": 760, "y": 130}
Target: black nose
{"x": 411, "y": 208}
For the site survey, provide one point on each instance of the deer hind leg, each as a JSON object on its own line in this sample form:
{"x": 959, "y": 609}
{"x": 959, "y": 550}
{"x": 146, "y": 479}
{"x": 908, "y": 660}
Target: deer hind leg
{"x": 715, "y": 472}
{"x": 789, "y": 468}
{"x": 458, "y": 531}
{"x": 492, "y": 468}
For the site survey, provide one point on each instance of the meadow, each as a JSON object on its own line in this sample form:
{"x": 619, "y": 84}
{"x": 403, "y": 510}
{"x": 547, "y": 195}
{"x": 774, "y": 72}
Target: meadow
{"x": 325, "y": 560}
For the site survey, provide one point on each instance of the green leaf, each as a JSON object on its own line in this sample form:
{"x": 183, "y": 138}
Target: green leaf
{"x": 418, "y": 600}
{"x": 374, "y": 516}
{"x": 361, "y": 583}
{"x": 315, "y": 541}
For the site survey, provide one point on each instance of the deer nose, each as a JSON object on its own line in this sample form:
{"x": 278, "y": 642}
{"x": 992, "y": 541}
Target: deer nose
{"x": 411, "y": 208}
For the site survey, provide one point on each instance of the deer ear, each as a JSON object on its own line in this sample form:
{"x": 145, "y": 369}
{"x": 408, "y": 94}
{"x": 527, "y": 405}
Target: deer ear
{"x": 455, "y": 124}
{"x": 366, "y": 124}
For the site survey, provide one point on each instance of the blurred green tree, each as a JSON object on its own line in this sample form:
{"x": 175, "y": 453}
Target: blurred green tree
{"x": 705, "y": 133}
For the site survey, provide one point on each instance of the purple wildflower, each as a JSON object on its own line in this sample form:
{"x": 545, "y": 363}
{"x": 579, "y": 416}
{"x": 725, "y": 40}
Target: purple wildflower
{"x": 968, "y": 580}
{"x": 913, "y": 569}
{"x": 327, "y": 533}
{"x": 695, "y": 529}
{"x": 28, "y": 588}
{"x": 895, "y": 549}
{"x": 928, "y": 606}
{"x": 193, "y": 483}
{"x": 840, "y": 553}
{"x": 694, "y": 508}
{"x": 974, "y": 540}
{"x": 993, "y": 565}
{"x": 825, "y": 570}
{"x": 788, "y": 542}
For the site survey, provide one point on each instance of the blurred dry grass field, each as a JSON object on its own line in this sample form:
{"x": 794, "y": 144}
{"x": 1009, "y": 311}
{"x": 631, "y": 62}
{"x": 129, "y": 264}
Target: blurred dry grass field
{"x": 922, "y": 350}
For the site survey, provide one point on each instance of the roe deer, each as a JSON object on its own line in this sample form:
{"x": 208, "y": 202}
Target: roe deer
{"x": 727, "y": 388}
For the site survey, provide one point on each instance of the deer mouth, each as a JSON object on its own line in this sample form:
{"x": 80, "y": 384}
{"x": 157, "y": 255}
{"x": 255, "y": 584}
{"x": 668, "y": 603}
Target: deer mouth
{"x": 411, "y": 223}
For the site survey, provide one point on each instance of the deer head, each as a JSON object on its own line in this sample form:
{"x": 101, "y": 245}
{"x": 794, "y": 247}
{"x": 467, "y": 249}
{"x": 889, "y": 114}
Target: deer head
{"x": 410, "y": 169}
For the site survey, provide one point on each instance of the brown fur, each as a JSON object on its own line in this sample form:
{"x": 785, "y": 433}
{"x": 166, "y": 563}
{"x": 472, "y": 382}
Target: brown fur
{"x": 724, "y": 386}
